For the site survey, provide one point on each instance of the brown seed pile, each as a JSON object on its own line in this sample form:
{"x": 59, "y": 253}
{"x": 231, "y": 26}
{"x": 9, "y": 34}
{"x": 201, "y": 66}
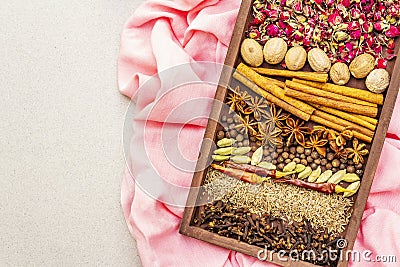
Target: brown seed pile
{"x": 292, "y": 203}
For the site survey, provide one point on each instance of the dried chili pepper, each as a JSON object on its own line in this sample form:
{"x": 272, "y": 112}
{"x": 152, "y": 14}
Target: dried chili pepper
{"x": 240, "y": 174}
{"x": 250, "y": 168}
{"x": 326, "y": 188}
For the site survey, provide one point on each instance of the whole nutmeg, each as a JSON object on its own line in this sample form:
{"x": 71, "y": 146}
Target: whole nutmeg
{"x": 378, "y": 80}
{"x": 340, "y": 73}
{"x": 318, "y": 60}
{"x": 251, "y": 52}
{"x": 362, "y": 65}
{"x": 275, "y": 50}
{"x": 296, "y": 58}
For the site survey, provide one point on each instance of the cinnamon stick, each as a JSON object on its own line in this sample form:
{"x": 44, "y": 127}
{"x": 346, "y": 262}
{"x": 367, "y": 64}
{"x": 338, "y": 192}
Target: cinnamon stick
{"x": 309, "y": 76}
{"x": 318, "y": 92}
{"x": 276, "y": 82}
{"x": 337, "y": 127}
{"x": 271, "y": 98}
{"x": 347, "y": 116}
{"x": 344, "y": 123}
{"x": 344, "y": 90}
{"x": 264, "y": 83}
{"x": 368, "y": 119}
{"x": 349, "y": 107}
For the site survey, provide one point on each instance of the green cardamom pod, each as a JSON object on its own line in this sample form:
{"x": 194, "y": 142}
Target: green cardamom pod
{"x": 304, "y": 174}
{"x": 241, "y": 151}
{"x": 299, "y": 168}
{"x": 225, "y": 151}
{"x": 266, "y": 165}
{"x": 337, "y": 177}
{"x": 289, "y": 167}
{"x": 257, "y": 156}
{"x": 220, "y": 158}
{"x": 353, "y": 186}
{"x": 241, "y": 159}
{"x": 226, "y": 142}
{"x": 350, "y": 178}
{"x": 314, "y": 175}
{"x": 324, "y": 176}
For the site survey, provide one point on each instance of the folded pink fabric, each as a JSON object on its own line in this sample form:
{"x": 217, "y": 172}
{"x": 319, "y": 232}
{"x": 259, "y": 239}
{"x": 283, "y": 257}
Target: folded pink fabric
{"x": 163, "y": 34}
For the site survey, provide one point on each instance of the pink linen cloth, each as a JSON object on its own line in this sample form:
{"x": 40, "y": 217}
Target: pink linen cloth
{"x": 162, "y": 34}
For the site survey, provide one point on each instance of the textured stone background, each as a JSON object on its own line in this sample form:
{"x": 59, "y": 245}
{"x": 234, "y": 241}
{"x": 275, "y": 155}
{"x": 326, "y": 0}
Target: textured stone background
{"x": 61, "y": 158}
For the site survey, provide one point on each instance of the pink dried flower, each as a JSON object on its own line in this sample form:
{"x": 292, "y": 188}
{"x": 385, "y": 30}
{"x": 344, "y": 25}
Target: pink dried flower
{"x": 382, "y": 63}
{"x": 392, "y": 32}
{"x": 346, "y": 3}
{"x": 355, "y": 13}
{"x": 272, "y": 30}
{"x": 318, "y": 2}
{"x": 254, "y": 34}
{"x": 285, "y": 15}
{"x": 391, "y": 44}
{"x": 354, "y": 25}
{"x": 335, "y": 18}
{"x": 378, "y": 26}
{"x": 355, "y": 34}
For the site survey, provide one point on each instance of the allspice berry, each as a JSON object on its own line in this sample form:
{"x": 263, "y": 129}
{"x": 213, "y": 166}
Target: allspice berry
{"x": 335, "y": 163}
{"x": 220, "y": 135}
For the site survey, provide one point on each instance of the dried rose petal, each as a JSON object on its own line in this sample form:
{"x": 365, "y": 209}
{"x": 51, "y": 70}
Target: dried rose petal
{"x": 355, "y": 34}
{"x": 382, "y": 63}
{"x": 391, "y": 44}
{"x": 392, "y": 32}
{"x": 346, "y": 3}
{"x": 272, "y": 30}
{"x": 335, "y": 18}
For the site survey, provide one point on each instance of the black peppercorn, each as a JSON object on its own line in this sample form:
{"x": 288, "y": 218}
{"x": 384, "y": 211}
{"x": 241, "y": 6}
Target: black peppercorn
{"x": 330, "y": 156}
{"x": 342, "y": 166}
{"x": 292, "y": 150}
{"x": 281, "y": 166}
{"x": 300, "y": 149}
{"x": 310, "y": 159}
{"x": 351, "y": 169}
{"x": 220, "y": 135}
{"x": 281, "y": 159}
{"x": 233, "y": 133}
{"x": 314, "y": 166}
{"x": 335, "y": 163}
{"x": 329, "y": 166}
{"x": 302, "y": 156}
{"x": 304, "y": 162}
{"x": 285, "y": 155}
{"x": 307, "y": 151}
{"x": 268, "y": 159}
{"x": 291, "y": 156}
{"x": 359, "y": 166}
{"x": 315, "y": 155}
{"x": 297, "y": 160}
{"x": 275, "y": 155}
{"x": 317, "y": 161}
{"x": 279, "y": 150}
{"x": 239, "y": 138}
{"x": 274, "y": 162}
{"x": 271, "y": 149}
{"x": 324, "y": 162}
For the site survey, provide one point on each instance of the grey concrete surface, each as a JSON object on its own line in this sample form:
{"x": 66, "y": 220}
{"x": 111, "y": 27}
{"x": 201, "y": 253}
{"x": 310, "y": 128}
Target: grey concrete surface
{"x": 61, "y": 158}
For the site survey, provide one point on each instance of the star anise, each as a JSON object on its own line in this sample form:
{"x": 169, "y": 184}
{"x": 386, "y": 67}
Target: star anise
{"x": 343, "y": 137}
{"x": 274, "y": 117}
{"x": 257, "y": 106}
{"x": 324, "y": 133}
{"x": 246, "y": 126}
{"x": 317, "y": 144}
{"x": 295, "y": 131}
{"x": 340, "y": 152}
{"x": 357, "y": 152}
{"x": 237, "y": 99}
{"x": 269, "y": 136}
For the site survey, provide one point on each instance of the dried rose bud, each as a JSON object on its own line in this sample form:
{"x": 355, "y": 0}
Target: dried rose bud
{"x": 382, "y": 63}
{"x": 392, "y": 32}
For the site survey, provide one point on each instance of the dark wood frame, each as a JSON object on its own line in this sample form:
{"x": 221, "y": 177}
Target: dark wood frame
{"x": 198, "y": 178}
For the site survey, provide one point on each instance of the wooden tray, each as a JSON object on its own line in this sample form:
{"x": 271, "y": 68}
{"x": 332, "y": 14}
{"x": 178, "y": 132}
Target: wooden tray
{"x": 232, "y": 60}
